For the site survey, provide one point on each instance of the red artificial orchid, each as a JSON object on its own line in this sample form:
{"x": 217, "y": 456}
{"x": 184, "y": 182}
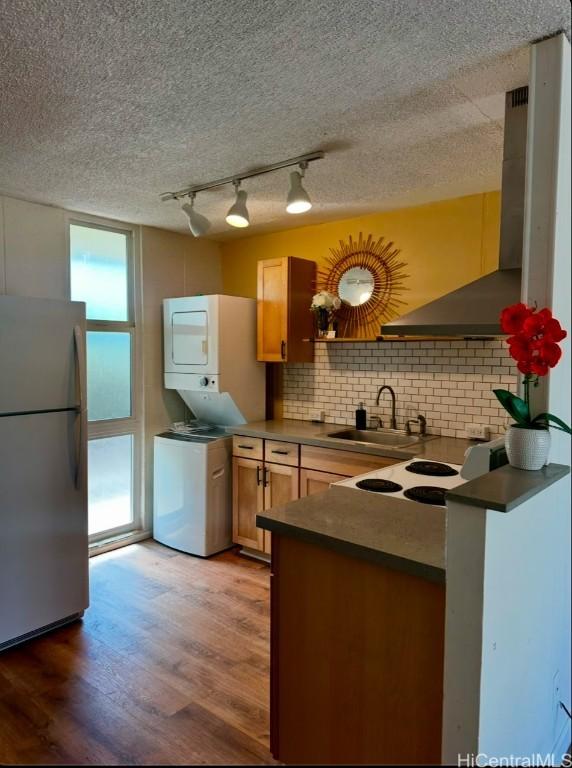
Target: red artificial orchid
{"x": 534, "y": 346}
{"x": 513, "y": 317}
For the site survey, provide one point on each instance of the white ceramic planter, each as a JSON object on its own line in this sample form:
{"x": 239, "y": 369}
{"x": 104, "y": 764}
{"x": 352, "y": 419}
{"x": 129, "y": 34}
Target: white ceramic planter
{"x": 527, "y": 448}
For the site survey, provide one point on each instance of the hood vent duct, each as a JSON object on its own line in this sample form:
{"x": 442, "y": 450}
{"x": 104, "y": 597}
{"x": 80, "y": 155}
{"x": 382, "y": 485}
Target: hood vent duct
{"x": 474, "y": 309}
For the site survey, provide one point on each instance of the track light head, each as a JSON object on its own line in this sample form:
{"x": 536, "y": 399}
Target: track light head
{"x": 198, "y": 224}
{"x": 237, "y": 215}
{"x": 298, "y": 200}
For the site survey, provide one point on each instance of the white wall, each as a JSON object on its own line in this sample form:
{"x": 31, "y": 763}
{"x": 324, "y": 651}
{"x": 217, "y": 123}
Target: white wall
{"x": 507, "y": 648}
{"x": 34, "y": 261}
{"x": 547, "y": 240}
{"x": 526, "y": 628}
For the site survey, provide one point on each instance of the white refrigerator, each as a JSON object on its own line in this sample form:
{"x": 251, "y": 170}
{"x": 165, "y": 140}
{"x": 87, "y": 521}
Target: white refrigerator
{"x": 43, "y": 476}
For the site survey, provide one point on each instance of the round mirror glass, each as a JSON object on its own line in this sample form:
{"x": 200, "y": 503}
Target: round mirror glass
{"x": 356, "y": 286}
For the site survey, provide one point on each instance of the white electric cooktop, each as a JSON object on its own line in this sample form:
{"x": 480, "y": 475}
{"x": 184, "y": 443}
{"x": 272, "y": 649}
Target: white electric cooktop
{"x": 414, "y": 480}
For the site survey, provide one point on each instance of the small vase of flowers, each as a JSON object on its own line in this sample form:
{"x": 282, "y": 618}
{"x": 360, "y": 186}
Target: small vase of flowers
{"x": 324, "y": 305}
{"x": 534, "y": 345}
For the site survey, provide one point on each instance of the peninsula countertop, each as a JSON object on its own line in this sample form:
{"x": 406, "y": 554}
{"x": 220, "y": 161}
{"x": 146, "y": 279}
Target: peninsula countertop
{"x": 392, "y": 532}
{"x": 451, "y": 450}
{"x": 398, "y": 533}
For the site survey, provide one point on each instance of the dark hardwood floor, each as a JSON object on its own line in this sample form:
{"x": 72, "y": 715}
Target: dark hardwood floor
{"x": 169, "y": 666}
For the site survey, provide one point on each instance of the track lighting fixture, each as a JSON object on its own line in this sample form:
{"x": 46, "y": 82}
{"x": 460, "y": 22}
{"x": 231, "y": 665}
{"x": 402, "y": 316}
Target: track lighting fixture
{"x": 298, "y": 200}
{"x": 198, "y": 224}
{"x": 237, "y": 215}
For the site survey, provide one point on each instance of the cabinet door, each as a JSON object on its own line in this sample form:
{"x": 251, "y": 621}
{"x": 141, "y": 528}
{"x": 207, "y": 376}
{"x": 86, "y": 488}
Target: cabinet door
{"x": 280, "y": 486}
{"x": 272, "y": 310}
{"x": 247, "y": 502}
{"x": 313, "y": 481}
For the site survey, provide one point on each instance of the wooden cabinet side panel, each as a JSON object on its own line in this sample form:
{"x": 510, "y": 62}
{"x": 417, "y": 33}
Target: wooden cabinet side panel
{"x": 274, "y": 638}
{"x": 272, "y": 309}
{"x": 357, "y": 660}
{"x": 247, "y": 501}
{"x": 302, "y": 282}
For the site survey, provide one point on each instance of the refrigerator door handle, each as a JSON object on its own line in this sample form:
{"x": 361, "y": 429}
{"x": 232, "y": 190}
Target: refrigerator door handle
{"x": 81, "y": 407}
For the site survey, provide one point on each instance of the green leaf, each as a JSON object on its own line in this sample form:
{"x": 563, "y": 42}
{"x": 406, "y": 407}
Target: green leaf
{"x": 514, "y": 405}
{"x": 558, "y": 423}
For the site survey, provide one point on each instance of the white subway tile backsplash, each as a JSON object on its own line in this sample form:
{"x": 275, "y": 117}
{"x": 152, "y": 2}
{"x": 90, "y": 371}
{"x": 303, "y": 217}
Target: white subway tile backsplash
{"x": 449, "y": 382}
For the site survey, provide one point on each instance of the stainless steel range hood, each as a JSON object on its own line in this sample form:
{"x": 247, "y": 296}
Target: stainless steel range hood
{"x": 474, "y": 309}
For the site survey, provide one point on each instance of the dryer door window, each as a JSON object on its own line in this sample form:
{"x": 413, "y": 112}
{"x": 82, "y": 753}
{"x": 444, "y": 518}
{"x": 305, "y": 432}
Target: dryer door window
{"x": 190, "y": 338}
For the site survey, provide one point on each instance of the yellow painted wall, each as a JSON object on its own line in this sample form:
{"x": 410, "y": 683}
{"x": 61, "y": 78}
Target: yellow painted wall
{"x": 445, "y": 245}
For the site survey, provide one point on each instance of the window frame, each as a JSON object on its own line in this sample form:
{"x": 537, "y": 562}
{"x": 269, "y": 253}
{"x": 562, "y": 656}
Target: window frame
{"x": 133, "y": 424}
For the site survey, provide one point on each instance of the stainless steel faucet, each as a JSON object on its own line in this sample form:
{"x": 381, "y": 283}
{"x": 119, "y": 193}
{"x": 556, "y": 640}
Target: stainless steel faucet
{"x": 392, "y": 393}
{"x": 421, "y": 420}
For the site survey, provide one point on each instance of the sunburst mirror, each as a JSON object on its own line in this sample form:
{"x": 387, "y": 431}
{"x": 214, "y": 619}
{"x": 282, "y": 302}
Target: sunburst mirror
{"x": 368, "y": 277}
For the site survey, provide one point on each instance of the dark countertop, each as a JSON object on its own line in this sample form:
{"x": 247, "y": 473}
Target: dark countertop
{"x": 393, "y": 532}
{"x": 507, "y": 487}
{"x": 451, "y": 450}
{"x": 398, "y": 533}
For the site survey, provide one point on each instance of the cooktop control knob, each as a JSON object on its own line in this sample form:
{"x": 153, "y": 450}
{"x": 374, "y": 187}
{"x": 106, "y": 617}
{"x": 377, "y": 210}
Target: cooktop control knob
{"x": 203, "y": 381}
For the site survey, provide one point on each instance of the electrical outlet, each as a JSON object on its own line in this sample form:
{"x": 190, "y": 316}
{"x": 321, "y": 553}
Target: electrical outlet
{"x": 317, "y": 415}
{"x": 478, "y": 432}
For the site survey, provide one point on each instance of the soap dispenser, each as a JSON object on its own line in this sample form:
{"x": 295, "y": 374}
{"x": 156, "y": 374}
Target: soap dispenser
{"x": 361, "y": 417}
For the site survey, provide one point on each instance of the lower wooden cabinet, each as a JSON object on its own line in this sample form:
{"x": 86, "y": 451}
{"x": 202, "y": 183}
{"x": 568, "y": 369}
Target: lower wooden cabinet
{"x": 247, "y": 502}
{"x": 260, "y": 481}
{"x": 258, "y": 486}
{"x": 314, "y": 481}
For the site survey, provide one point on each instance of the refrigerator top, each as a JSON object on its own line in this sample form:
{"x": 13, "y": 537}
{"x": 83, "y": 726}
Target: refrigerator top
{"x": 39, "y": 355}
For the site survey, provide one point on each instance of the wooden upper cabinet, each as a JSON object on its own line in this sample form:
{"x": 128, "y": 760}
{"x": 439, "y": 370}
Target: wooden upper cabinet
{"x": 285, "y": 290}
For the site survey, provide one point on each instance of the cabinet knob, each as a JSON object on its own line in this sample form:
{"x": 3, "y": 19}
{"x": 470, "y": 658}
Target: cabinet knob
{"x": 283, "y": 349}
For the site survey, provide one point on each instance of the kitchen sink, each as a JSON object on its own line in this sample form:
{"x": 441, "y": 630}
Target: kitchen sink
{"x": 379, "y": 437}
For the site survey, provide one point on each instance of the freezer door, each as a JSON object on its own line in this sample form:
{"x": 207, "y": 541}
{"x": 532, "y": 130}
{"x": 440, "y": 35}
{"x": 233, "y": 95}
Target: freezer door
{"x": 38, "y": 353}
{"x": 43, "y": 522}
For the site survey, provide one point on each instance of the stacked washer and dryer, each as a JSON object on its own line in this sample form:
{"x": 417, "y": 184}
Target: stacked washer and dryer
{"x": 210, "y": 359}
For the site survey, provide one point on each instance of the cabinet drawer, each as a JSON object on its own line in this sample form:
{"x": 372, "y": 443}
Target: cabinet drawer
{"x": 248, "y": 447}
{"x": 281, "y": 453}
{"x": 349, "y": 463}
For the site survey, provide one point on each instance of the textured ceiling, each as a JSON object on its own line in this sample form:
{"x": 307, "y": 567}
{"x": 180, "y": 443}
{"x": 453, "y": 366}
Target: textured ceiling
{"x": 103, "y": 105}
